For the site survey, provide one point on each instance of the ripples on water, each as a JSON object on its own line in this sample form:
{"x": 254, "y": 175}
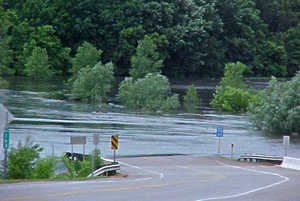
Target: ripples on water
{"x": 50, "y": 123}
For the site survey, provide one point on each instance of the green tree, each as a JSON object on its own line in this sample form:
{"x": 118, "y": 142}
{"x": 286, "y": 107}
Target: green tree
{"x": 191, "y": 99}
{"x": 5, "y": 51}
{"x": 87, "y": 56}
{"x": 21, "y": 160}
{"x": 278, "y": 108}
{"x": 128, "y": 42}
{"x": 230, "y": 95}
{"x": 146, "y": 60}
{"x": 292, "y": 46}
{"x": 150, "y": 93}
{"x": 37, "y": 65}
{"x": 93, "y": 84}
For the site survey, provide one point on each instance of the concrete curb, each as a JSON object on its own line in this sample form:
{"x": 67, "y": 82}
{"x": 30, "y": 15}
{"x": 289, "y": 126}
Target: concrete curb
{"x": 291, "y": 163}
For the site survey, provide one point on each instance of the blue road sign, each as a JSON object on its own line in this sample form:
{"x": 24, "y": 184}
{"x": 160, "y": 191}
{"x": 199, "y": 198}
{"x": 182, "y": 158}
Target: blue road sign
{"x": 219, "y": 132}
{"x": 6, "y": 138}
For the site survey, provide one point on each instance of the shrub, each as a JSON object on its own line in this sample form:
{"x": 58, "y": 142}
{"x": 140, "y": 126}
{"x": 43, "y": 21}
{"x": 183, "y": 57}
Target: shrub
{"x": 77, "y": 168}
{"x": 191, "y": 99}
{"x": 93, "y": 84}
{"x": 37, "y": 65}
{"x": 278, "y": 108}
{"x": 150, "y": 93}
{"x": 44, "y": 168}
{"x": 229, "y": 95}
{"x": 235, "y": 100}
{"x": 21, "y": 160}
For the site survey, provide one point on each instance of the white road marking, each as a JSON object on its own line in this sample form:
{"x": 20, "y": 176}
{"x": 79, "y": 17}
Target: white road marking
{"x": 161, "y": 175}
{"x": 284, "y": 179}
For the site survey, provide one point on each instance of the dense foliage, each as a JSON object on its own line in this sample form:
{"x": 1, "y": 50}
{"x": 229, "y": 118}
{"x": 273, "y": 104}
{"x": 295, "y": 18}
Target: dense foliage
{"x": 93, "y": 84}
{"x": 37, "y": 65}
{"x": 190, "y": 99}
{"x": 79, "y": 169}
{"x": 230, "y": 95}
{"x": 21, "y": 160}
{"x": 278, "y": 109}
{"x": 150, "y": 93}
{"x": 196, "y": 37}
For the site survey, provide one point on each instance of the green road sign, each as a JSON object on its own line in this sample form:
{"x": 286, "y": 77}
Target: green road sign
{"x": 6, "y": 138}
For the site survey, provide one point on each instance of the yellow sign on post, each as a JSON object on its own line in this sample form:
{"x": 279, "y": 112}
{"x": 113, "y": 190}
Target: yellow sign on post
{"x": 114, "y": 142}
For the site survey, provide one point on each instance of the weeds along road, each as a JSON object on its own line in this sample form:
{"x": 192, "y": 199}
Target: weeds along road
{"x": 170, "y": 178}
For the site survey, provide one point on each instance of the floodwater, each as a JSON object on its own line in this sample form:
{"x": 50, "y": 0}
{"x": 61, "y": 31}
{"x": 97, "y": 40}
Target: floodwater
{"x": 50, "y": 123}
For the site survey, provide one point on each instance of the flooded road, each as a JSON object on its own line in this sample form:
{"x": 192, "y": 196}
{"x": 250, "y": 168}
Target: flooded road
{"x": 50, "y": 123}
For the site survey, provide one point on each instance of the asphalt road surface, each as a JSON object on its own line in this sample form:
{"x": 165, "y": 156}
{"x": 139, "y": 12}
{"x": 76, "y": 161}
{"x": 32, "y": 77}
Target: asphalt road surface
{"x": 170, "y": 178}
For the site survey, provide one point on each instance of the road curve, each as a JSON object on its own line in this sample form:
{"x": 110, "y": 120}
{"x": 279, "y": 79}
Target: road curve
{"x": 169, "y": 178}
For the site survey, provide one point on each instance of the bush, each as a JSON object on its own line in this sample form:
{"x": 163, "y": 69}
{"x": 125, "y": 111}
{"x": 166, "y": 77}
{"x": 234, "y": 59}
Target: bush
{"x": 37, "y": 65}
{"x": 191, "y": 100}
{"x": 79, "y": 168}
{"x": 278, "y": 109}
{"x": 44, "y": 168}
{"x": 150, "y": 93}
{"x": 229, "y": 94}
{"x": 93, "y": 84}
{"x": 21, "y": 160}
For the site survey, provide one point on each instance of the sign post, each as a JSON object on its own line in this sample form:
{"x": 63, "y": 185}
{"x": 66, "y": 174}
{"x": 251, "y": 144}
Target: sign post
{"x": 114, "y": 145}
{"x": 95, "y": 142}
{"x": 5, "y": 144}
{"x": 219, "y": 134}
{"x": 286, "y": 144}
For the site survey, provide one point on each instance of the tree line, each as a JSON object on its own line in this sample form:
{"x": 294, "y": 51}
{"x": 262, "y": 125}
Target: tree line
{"x": 194, "y": 38}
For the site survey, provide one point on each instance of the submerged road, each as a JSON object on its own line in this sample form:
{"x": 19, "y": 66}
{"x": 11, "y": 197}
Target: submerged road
{"x": 170, "y": 178}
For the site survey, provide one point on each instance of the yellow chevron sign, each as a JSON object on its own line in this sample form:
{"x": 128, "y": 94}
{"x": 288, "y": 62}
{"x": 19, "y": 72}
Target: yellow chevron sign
{"x": 114, "y": 142}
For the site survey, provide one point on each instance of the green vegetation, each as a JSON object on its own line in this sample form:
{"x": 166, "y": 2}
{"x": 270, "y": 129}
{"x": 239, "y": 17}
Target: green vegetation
{"x": 149, "y": 93}
{"x": 24, "y": 163}
{"x": 146, "y": 60}
{"x": 79, "y": 169}
{"x": 21, "y": 160}
{"x": 87, "y": 56}
{"x": 195, "y": 37}
{"x": 230, "y": 95}
{"x": 37, "y": 65}
{"x": 278, "y": 107}
{"x": 190, "y": 99}
{"x": 44, "y": 168}
{"x": 93, "y": 84}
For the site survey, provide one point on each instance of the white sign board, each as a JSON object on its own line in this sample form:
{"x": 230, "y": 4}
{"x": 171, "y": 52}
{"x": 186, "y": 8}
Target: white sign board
{"x": 78, "y": 140}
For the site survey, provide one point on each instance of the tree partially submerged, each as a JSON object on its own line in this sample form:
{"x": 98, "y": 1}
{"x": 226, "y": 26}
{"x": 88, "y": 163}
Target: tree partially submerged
{"x": 278, "y": 109}
{"x": 93, "y": 84}
{"x": 191, "y": 99}
{"x": 150, "y": 93}
{"x": 37, "y": 65}
{"x": 230, "y": 95}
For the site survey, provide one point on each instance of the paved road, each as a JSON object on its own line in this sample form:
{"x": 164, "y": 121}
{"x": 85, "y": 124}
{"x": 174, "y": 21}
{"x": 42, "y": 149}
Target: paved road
{"x": 170, "y": 178}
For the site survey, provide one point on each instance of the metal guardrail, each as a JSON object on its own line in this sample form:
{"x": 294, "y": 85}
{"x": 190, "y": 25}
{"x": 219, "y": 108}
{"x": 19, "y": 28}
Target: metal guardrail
{"x": 261, "y": 158}
{"x": 109, "y": 169}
